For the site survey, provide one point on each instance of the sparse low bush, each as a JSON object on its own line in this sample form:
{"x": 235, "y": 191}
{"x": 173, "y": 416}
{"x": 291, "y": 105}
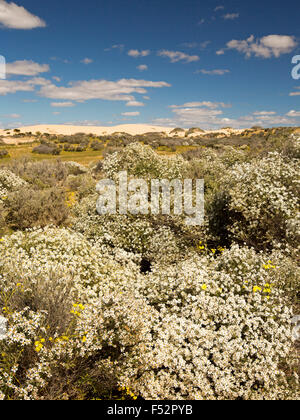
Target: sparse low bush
{"x": 3, "y": 153}
{"x": 41, "y": 174}
{"x": 46, "y": 149}
{"x": 28, "y": 208}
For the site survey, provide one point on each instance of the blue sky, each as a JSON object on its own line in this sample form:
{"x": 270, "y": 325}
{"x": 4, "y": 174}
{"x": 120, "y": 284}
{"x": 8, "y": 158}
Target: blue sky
{"x": 166, "y": 62}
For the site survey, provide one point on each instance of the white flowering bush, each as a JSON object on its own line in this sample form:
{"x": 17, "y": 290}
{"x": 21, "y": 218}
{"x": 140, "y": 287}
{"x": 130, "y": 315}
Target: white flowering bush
{"x": 75, "y": 168}
{"x": 128, "y": 307}
{"x": 9, "y": 182}
{"x": 142, "y": 162}
{"x": 140, "y": 235}
{"x": 204, "y": 328}
{"x": 262, "y": 198}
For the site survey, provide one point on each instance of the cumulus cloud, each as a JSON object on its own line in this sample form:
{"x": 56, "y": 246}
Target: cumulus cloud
{"x": 13, "y": 116}
{"x": 137, "y": 53}
{"x": 211, "y": 115}
{"x": 293, "y": 113}
{"x": 87, "y": 61}
{"x": 17, "y": 17}
{"x": 83, "y": 123}
{"x": 62, "y": 104}
{"x": 142, "y": 67}
{"x": 116, "y": 46}
{"x": 13, "y": 86}
{"x": 121, "y": 90}
{"x": 176, "y": 56}
{"x": 205, "y": 104}
{"x": 131, "y": 114}
{"x": 217, "y": 72}
{"x": 231, "y": 16}
{"x": 189, "y": 44}
{"x": 26, "y": 68}
{"x": 135, "y": 103}
{"x": 201, "y": 45}
{"x": 264, "y": 113}
{"x": 266, "y": 47}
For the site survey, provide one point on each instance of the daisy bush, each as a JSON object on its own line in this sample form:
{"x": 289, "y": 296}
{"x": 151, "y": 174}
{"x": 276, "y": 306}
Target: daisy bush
{"x": 141, "y": 161}
{"x": 9, "y": 182}
{"x": 81, "y": 318}
{"x": 261, "y": 200}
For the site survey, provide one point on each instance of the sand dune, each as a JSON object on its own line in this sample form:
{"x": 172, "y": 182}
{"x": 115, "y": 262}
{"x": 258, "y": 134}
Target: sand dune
{"x": 133, "y": 129}
{"x": 73, "y": 129}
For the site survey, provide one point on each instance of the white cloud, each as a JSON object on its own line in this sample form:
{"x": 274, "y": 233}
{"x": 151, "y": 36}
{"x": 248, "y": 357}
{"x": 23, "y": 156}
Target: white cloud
{"x": 17, "y": 17}
{"x": 189, "y": 44}
{"x": 121, "y": 90}
{"x": 201, "y": 21}
{"x": 220, "y": 52}
{"x": 135, "y": 103}
{"x": 137, "y": 53}
{"x": 205, "y": 104}
{"x": 231, "y": 16}
{"x": 295, "y": 94}
{"x": 142, "y": 67}
{"x": 217, "y": 72}
{"x": 219, "y": 8}
{"x": 89, "y": 123}
{"x": 116, "y": 46}
{"x": 62, "y": 104}
{"x": 264, "y": 113}
{"x": 176, "y": 56}
{"x": 26, "y": 68}
{"x": 193, "y": 45}
{"x": 56, "y": 78}
{"x": 12, "y": 116}
{"x": 131, "y": 114}
{"x": 210, "y": 115}
{"x": 9, "y": 86}
{"x": 56, "y": 113}
{"x": 293, "y": 113}
{"x": 87, "y": 61}
{"x": 205, "y": 44}
{"x": 266, "y": 47}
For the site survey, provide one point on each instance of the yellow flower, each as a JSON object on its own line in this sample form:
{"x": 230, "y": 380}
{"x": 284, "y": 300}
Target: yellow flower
{"x": 204, "y": 287}
{"x": 84, "y": 339}
{"x": 257, "y": 289}
{"x": 269, "y": 266}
